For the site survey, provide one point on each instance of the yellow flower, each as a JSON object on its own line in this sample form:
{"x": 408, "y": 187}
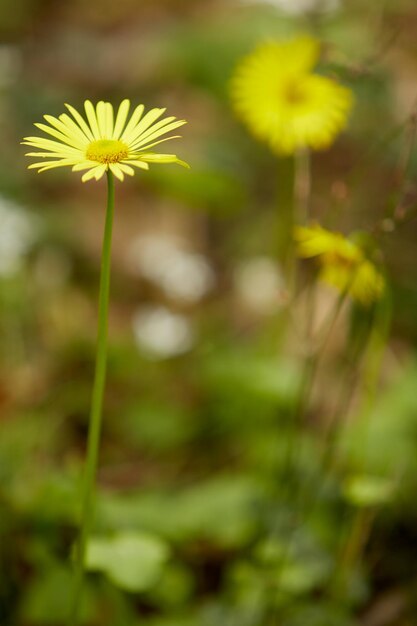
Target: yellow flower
{"x": 103, "y": 141}
{"x": 283, "y": 103}
{"x": 342, "y": 262}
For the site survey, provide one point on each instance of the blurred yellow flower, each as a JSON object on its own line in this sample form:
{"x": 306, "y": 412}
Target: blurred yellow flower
{"x": 342, "y": 262}
{"x": 283, "y": 103}
{"x": 103, "y": 141}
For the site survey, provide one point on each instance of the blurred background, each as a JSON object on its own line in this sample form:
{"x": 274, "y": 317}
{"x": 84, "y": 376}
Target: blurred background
{"x": 194, "y": 525}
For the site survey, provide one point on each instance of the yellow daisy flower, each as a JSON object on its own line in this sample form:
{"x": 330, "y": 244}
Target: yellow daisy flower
{"x": 283, "y": 103}
{"x": 342, "y": 262}
{"x": 103, "y": 141}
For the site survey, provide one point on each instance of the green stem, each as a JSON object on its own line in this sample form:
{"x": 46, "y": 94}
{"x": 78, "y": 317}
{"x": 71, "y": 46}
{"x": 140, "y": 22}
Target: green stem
{"x": 308, "y": 377}
{"x": 94, "y": 429}
{"x": 302, "y": 186}
{"x": 358, "y": 536}
{"x": 298, "y": 214}
{"x": 285, "y": 215}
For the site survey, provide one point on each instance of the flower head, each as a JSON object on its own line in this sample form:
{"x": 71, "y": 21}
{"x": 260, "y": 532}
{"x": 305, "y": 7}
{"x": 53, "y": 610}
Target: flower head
{"x": 342, "y": 262}
{"x": 283, "y": 103}
{"x": 103, "y": 141}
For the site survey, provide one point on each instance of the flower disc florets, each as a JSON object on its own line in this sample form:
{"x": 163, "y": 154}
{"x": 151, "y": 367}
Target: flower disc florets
{"x": 292, "y": 92}
{"x": 107, "y": 151}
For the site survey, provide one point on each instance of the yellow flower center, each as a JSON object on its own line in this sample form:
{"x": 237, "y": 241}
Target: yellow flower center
{"x": 294, "y": 93}
{"x": 107, "y": 151}
{"x": 347, "y": 259}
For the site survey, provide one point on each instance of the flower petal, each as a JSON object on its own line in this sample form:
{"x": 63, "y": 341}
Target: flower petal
{"x": 50, "y": 165}
{"x": 126, "y": 168}
{"x": 121, "y": 118}
{"x": 70, "y": 141}
{"x": 155, "y": 143}
{"x": 147, "y": 120}
{"x": 153, "y": 157}
{"x": 157, "y": 125}
{"x": 74, "y": 133}
{"x": 100, "y": 171}
{"x": 140, "y": 164}
{"x": 109, "y": 120}
{"x": 49, "y": 155}
{"x": 80, "y": 120}
{"x": 104, "y": 112}
{"x": 150, "y": 135}
{"x": 84, "y": 165}
{"x": 53, "y": 147}
{"x": 92, "y": 119}
{"x": 101, "y": 118}
{"x": 115, "y": 168}
{"x": 73, "y": 127}
{"x": 90, "y": 174}
{"x": 137, "y": 114}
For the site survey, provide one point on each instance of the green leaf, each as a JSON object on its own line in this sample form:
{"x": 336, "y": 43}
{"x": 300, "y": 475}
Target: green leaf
{"x": 132, "y": 561}
{"x": 46, "y": 600}
{"x": 222, "y": 510}
{"x": 368, "y": 490}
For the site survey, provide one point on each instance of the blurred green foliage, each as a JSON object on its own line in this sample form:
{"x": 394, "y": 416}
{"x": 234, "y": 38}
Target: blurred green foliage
{"x": 200, "y": 519}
